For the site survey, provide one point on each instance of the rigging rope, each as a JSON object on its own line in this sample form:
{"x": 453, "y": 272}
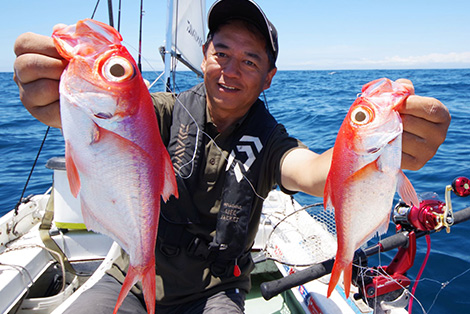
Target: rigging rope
{"x": 139, "y": 62}
{"x": 110, "y": 13}
{"x": 94, "y": 11}
{"x": 119, "y": 17}
{"x": 31, "y": 172}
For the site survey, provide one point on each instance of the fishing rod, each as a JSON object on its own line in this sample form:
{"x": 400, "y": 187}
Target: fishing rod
{"x": 412, "y": 223}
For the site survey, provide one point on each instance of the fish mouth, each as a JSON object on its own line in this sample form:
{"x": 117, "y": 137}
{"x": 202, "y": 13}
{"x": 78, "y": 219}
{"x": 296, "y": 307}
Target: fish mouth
{"x": 103, "y": 115}
{"x": 373, "y": 150}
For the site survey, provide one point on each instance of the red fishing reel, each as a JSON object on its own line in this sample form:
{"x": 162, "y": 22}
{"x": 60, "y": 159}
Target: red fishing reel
{"x": 432, "y": 213}
{"x": 388, "y": 285}
{"x": 426, "y": 217}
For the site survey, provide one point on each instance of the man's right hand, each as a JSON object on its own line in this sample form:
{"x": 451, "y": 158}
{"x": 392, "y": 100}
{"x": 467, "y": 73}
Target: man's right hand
{"x": 37, "y": 70}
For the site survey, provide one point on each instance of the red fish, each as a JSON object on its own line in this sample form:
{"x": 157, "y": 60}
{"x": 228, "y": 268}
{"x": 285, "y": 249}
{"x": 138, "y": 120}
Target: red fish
{"x": 114, "y": 153}
{"x": 366, "y": 171}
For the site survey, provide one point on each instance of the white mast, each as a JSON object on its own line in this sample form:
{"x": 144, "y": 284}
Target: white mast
{"x": 185, "y": 35}
{"x": 168, "y": 44}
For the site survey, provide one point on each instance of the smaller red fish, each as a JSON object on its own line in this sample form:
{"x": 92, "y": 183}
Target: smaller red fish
{"x": 366, "y": 171}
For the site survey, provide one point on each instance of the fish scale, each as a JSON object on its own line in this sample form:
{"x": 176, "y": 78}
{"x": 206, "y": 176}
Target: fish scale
{"x": 115, "y": 157}
{"x": 365, "y": 172}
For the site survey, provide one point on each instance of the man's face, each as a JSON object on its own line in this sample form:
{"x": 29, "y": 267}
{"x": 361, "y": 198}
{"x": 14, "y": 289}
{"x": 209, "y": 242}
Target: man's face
{"x": 236, "y": 69}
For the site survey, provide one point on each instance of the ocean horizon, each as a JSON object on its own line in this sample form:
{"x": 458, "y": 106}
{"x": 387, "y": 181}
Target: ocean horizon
{"x": 311, "y": 104}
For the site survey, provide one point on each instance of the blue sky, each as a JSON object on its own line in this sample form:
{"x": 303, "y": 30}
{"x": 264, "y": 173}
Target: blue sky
{"x": 313, "y": 35}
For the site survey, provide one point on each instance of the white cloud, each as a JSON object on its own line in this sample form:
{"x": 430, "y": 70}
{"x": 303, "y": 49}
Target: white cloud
{"x": 432, "y": 60}
{"x": 436, "y": 59}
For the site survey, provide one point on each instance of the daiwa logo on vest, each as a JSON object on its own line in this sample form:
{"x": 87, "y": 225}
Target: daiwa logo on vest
{"x": 183, "y": 134}
{"x": 247, "y": 149}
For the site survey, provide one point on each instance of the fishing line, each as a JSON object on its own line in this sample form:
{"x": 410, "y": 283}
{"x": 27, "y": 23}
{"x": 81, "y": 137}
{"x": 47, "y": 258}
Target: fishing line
{"x": 23, "y": 271}
{"x": 265, "y": 101}
{"x": 193, "y": 158}
{"x": 52, "y": 252}
{"x": 363, "y": 271}
{"x": 31, "y": 172}
{"x": 198, "y": 130}
{"x": 443, "y": 286}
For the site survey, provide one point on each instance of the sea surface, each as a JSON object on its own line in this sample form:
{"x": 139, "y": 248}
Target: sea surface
{"x": 312, "y": 105}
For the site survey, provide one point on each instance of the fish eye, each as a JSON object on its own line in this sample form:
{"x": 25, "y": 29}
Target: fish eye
{"x": 361, "y": 116}
{"x": 118, "y": 69}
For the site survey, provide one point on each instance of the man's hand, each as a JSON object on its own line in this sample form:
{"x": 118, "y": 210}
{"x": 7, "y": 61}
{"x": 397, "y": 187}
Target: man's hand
{"x": 37, "y": 70}
{"x": 425, "y": 124}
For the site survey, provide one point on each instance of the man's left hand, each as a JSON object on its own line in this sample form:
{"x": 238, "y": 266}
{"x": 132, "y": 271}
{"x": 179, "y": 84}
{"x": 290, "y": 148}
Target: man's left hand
{"x": 425, "y": 124}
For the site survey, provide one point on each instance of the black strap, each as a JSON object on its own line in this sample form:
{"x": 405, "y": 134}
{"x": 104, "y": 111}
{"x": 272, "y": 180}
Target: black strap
{"x": 46, "y": 238}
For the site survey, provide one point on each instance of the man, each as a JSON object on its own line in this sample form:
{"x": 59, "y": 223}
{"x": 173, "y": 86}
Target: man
{"x": 202, "y": 254}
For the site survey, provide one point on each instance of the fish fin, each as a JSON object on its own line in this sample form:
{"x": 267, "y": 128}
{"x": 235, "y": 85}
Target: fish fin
{"x": 358, "y": 175}
{"x": 87, "y": 215}
{"x": 383, "y": 227}
{"x": 149, "y": 286}
{"x": 327, "y": 205}
{"x": 347, "y": 276}
{"x": 72, "y": 171}
{"x": 406, "y": 190}
{"x": 364, "y": 172}
{"x": 129, "y": 281}
{"x": 338, "y": 268}
{"x": 169, "y": 186}
{"x": 91, "y": 221}
{"x": 335, "y": 274}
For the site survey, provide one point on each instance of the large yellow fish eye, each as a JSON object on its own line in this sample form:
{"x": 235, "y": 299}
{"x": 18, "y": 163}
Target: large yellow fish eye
{"x": 361, "y": 115}
{"x": 117, "y": 69}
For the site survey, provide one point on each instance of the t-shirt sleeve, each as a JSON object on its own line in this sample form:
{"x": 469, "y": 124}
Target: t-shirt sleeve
{"x": 279, "y": 145}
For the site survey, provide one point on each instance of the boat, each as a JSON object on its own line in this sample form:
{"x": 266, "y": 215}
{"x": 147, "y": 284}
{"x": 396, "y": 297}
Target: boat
{"x": 47, "y": 257}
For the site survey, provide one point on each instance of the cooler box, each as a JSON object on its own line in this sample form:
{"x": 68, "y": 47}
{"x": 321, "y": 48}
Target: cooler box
{"x": 67, "y": 210}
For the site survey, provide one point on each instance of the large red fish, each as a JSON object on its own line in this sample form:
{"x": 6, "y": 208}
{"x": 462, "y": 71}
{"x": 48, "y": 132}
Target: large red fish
{"x": 366, "y": 171}
{"x": 114, "y": 153}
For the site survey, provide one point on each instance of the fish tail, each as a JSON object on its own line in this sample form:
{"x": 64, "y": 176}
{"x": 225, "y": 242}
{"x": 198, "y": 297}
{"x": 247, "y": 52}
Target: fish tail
{"x": 131, "y": 278}
{"x": 338, "y": 268}
{"x": 149, "y": 287}
{"x": 347, "y": 279}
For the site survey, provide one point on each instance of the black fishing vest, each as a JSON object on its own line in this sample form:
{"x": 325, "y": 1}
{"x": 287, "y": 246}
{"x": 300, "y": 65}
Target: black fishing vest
{"x": 243, "y": 170}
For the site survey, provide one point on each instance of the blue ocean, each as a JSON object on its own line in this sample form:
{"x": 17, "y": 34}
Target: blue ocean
{"x": 312, "y": 105}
